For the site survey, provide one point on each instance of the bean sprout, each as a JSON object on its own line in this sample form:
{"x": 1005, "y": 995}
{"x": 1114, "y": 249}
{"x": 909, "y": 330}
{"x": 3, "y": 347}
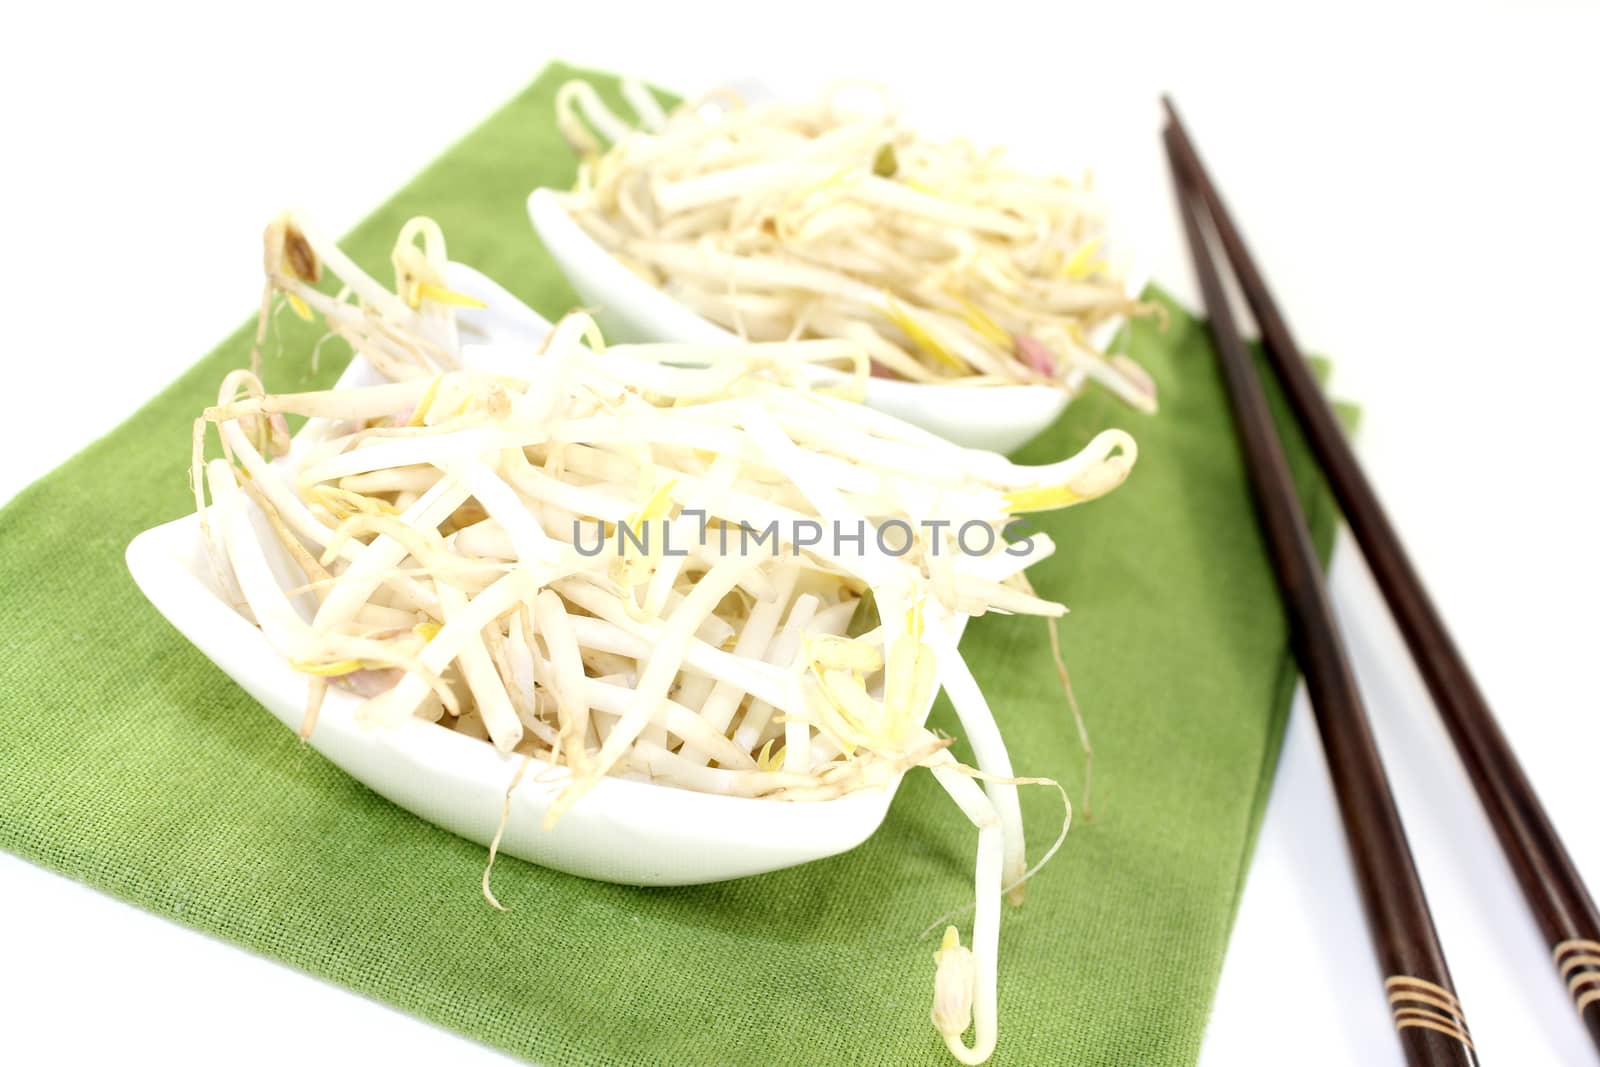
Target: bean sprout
{"x": 493, "y": 552}
{"x": 783, "y": 221}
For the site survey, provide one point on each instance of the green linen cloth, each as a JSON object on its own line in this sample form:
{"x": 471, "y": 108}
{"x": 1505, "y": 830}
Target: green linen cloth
{"x": 131, "y": 763}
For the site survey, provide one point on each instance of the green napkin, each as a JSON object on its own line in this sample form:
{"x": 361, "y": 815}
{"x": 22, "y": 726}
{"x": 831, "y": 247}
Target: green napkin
{"x": 131, "y": 763}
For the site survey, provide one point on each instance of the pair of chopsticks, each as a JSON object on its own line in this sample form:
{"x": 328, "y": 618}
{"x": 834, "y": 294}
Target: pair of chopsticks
{"x": 1427, "y": 1016}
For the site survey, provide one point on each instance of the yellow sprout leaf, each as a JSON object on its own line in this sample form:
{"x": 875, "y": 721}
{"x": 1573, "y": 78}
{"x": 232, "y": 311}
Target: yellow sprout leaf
{"x": 910, "y": 677}
{"x": 983, "y": 325}
{"x": 300, "y": 307}
{"x": 1041, "y": 498}
{"x": 425, "y": 403}
{"x": 440, "y": 295}
{"x": 633, "y": 565}
{"x": 426, "y": 630}
{"x": 1083, "y": 263}
{"x": 659, "y": 504}
{"x": 952, "y": 939}
{"x": 767, "y": 760}
{"x": 919, "y": 335}
{"x": 914, "y": 620}
{"x": 327, "y": 670}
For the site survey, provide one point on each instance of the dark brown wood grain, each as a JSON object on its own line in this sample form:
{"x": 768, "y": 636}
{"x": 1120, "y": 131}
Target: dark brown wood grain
{"x": 1428, "y": 1019}
{"x": 1556, "y": 894}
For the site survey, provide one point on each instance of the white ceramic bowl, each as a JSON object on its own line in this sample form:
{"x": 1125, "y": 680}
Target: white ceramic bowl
{"x": 626, "y": 831}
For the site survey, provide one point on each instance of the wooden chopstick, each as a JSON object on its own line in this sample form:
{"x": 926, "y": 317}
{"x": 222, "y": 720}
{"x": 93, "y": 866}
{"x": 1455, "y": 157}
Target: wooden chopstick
{"x": 1555, "y": 893}
{"x": 1427, "y": 1016}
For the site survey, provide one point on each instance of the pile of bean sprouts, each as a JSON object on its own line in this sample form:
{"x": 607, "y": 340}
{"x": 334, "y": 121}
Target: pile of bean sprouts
{"x": 822, "y": 219}
{"x": 442, "y": 524}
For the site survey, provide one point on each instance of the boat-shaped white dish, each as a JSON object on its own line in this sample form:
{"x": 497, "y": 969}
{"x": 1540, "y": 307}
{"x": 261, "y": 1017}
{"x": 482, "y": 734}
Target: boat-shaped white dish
{"x": 1000, "y": 418}
{"x": 627, "y": 831}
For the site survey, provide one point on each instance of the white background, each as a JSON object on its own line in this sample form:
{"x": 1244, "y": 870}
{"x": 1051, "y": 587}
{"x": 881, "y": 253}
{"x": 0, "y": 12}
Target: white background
{"x": 1421, "y": 186}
